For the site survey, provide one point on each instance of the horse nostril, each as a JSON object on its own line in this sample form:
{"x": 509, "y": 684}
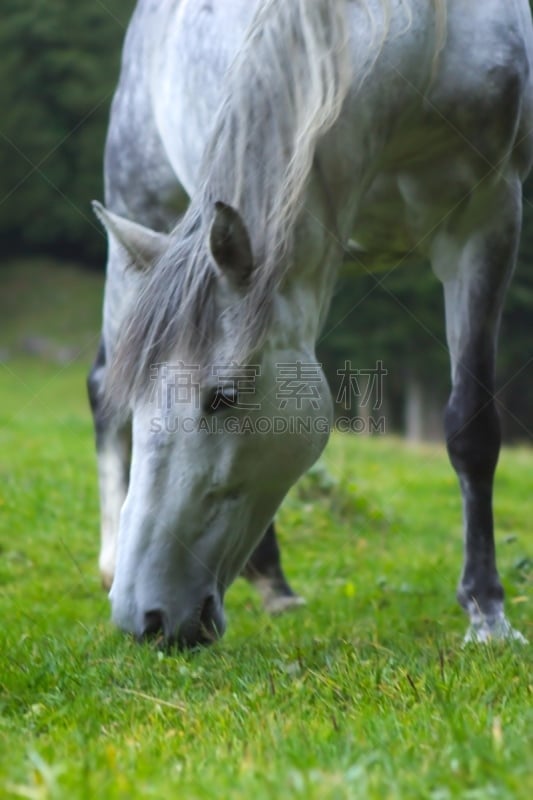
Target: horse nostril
{"x": 204, "y": 627}
{"x": 153, "y": 623}
{"x": 208, "y": 612}
{"x": 211, "y": 621}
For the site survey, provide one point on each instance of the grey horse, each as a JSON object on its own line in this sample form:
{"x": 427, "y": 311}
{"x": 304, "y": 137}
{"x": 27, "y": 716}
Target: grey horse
{"x": 248, "y": 144}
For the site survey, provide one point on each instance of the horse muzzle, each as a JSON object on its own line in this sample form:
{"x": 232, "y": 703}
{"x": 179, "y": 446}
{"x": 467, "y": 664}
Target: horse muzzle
{"x": 202, "y": 627}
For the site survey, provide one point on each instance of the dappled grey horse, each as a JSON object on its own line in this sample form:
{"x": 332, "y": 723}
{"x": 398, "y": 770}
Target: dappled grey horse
{"x": 280, "y": 135}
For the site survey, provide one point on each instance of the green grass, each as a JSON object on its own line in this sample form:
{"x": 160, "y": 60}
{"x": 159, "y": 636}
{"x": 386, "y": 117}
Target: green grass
{"x": 364, "y": 693}
{"x": 59, "y": 304}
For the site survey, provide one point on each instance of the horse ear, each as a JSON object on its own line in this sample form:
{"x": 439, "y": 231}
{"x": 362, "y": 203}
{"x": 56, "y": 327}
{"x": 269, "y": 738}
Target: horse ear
{"x": 142, "y": 244}
{"x": 230, "y": 245}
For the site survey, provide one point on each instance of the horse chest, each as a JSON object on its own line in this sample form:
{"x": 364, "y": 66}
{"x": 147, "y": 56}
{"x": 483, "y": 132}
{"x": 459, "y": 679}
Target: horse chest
{"x": 430, "y": 129}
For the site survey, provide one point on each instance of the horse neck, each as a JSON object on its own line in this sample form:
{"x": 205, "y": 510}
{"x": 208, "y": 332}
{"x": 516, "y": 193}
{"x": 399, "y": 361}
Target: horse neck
{"x": 305, "y": 294}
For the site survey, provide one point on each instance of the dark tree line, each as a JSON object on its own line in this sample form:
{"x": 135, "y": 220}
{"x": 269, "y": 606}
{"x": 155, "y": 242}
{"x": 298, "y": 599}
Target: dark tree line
{"x": 58, "y": 70}
{"x": 401, "y": 321}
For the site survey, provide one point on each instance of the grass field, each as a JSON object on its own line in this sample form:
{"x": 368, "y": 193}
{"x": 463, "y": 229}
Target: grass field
{"x": 364, "y": 693}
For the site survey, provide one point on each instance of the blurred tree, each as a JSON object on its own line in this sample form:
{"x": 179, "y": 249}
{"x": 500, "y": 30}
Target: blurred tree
{"x": 57, "y": 73}
{"x": 515, "y": 363}
{"x": 398, "y": 317}
{"x": 395, "y": 317}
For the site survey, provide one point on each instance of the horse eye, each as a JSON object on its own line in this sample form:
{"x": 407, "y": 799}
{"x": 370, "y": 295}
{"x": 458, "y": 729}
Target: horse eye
{"x": 222, "y": 397}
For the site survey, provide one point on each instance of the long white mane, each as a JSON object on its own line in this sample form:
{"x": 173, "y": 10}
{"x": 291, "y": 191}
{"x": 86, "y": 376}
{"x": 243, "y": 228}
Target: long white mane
{"x": 283, "y": 92}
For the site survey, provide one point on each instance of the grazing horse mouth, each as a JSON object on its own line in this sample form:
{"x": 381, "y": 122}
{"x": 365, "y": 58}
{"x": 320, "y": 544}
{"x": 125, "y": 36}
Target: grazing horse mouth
{"x": 203, "y": 627}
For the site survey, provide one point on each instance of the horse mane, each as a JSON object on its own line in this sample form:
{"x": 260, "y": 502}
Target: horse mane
{"x": 283, "y": 92}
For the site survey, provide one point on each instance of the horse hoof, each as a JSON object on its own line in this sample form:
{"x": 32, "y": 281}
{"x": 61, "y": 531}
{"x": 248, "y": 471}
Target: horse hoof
{"x": 279, "y": 604}
{"x": 276, "y": 594}
{"x": 485, "y": 632}
{"x": 107, "y": 580}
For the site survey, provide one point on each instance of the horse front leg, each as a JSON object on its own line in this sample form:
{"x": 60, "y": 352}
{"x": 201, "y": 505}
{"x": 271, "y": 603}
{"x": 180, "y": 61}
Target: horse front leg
{"x": 263, "y": 570}
{"x": 474, "y": 290}
{"x": 113, "y": 450}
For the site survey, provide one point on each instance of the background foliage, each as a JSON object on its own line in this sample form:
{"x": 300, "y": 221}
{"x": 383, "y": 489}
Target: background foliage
{"x": 57, "y": 74}
{"x": 363, "y": 694}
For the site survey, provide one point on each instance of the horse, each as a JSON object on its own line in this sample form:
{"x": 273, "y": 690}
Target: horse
{"x": 251, "y": 145}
